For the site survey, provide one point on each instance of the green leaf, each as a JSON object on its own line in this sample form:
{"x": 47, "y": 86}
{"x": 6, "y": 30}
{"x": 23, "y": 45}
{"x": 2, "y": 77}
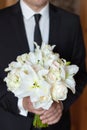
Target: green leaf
{"x": 68, "y": 63}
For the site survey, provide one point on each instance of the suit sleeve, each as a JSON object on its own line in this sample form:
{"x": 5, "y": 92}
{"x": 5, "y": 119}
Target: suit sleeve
{"x": 7, "y": 99}
{"x": 78, "y": 58}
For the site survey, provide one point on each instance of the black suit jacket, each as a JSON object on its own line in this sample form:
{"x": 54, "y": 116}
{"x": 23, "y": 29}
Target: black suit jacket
{"x": 65, "y": 32}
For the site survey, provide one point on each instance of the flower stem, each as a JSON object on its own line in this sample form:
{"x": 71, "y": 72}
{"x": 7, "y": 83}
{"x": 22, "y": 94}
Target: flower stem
{"x": 37, "y": 123}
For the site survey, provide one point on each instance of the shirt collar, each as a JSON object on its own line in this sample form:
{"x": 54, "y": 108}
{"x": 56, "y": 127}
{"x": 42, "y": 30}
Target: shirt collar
{"x": 28, "y": 12}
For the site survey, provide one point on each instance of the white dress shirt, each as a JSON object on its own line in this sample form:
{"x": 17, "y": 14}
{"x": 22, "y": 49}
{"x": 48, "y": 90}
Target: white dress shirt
{"x": 29, "y": 22}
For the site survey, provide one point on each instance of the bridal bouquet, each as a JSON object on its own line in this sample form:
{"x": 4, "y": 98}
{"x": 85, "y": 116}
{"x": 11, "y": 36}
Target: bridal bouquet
{"x": 43, "y": 76}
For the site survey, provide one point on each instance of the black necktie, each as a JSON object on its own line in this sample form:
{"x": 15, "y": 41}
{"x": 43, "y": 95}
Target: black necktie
{"x": 37, "y": 33}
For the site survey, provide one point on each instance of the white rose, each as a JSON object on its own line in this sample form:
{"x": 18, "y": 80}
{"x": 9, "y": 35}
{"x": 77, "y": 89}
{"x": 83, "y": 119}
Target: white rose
{"x": 13, "y": 80}
{"x": 59, "y": 91}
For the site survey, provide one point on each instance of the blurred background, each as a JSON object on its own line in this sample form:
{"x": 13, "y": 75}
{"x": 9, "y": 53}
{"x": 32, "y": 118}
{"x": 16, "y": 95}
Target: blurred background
{"x": 79, "y": 108}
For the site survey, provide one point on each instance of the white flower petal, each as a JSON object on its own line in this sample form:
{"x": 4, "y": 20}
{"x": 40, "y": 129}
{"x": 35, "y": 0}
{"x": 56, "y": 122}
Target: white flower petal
{"x": 71, "y": 84}
{"x": 72, "y": 69}
{"x": 32, "y": 58}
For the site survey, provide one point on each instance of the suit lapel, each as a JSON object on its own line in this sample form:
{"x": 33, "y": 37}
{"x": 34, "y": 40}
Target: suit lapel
{"x": 18, "y": 27}
{"x": 54, "y": 32}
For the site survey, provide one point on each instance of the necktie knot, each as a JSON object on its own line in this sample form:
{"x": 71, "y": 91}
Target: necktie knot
{"x": 37, "y": 17}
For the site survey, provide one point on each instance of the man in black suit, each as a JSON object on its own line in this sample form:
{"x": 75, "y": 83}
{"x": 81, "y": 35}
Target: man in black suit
{"x": 16, "y": 37}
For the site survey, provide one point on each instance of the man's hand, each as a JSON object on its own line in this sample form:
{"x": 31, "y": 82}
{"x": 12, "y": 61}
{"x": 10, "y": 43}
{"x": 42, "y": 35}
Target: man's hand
{"x": 27, "y": 104}
{"x": 52, "y": 115}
